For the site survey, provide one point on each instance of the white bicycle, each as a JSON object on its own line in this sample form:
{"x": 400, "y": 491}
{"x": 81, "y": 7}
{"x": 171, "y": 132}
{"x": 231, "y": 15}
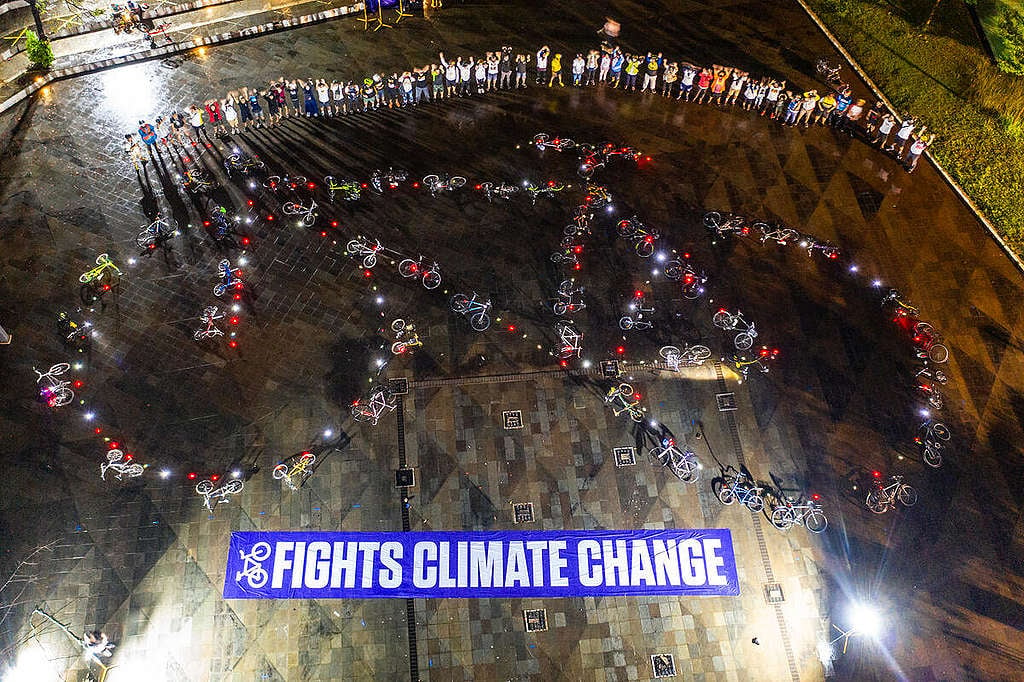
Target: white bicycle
{"x": 689, "y": 356}
{"x": 56, "y": 391}
{"x": 210, "y": 492}
{"x": 121, "y": 466}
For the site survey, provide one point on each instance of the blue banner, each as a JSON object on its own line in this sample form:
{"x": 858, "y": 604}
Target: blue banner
{"x": 474, "y": 564}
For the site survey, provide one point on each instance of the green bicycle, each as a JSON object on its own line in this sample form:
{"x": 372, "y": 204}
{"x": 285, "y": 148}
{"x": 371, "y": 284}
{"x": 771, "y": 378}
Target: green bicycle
{"x": 348, "y": 189}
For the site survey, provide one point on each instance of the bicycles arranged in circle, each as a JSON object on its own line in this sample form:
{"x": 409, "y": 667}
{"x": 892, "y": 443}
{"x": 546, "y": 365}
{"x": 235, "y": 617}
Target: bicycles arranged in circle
{"x": 209, "y": 318}
{"x": 743, "y": 489}
{"x": 406, "y": 337}
{"x": 475, "y": 310}
{"x": 218, "y": 494}
{"x": 560, "y": 144}
{"x": 689, "y": 356}
{"x": 56, "y": 392}
{"x": 349, "y": 190}
{"x": 623, "y": 399}
{"x": 883, "y": 498}
{"x": 362, "y": 246}
{"x": 296, "y": 474}
{"x": 121, "y": 465}
{"x": 307, "y": 214}
{"x": 807, "y": 514}
{"x": 103, "y": 263}
{"x": 374, "y": 406}
{"x": 429, "y": 275}
{"x": 723, "y": 319}
{"x": 439, "y": 183}
{"x": 682, "y": 463}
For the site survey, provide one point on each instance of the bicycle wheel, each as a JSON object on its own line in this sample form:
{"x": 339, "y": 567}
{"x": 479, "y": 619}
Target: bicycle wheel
{"x": 670, "y": 354}
{"x": 456, "y": 182}
{"x": 408, "y": 268}
{"x": 932, "y": 456}
{"x": 134, "y": 470}
{"x": 761, "y": 228}
{"x": 743, "y": 341}
{"x": 280, "y": 471}
{"x": 585, "y": 171}
{"x": 907, "y": 496}
{"x": 940, "y": 431}
{"x": 480, "y": 322}
{"x": 626, "y": 228}
{"x": 398, "y": 325}
{"x": 876, "y": 503}
{"x": 540, "y": 138}
{"x": 355, "y": 248}
{"x": 644, "y": 248}
{"x": 938, "y": 353}
{"x": 59, "y": 368}
{"x": 782, "y": 518}
{"x": 219, "y": 289}
{"x": 726, "y": 495}
{"x": 559, "y": 308}
{"x": 61, "y": 396}
{"x": 398, "y": 347}
{"x": 233, "y": 487}
{"x": 688, "y": 471}
{"x": 144, "y": 239}
{"x": 697, "y": 355}
{"x": 431, "y": 279}
{"x": 291, "y": 208}
{"x": 566, "y": 143}
{"x": 626, "y": 390}
{"x": 565, "y": 287}
{"x": 815, "y": 521}
{"x": 204, "y": 487}
{"x": 309, "y": 219}
{"x": 429, "y": 181}
{"x": 626, "y": 323}
{"x": 272, "y": 182}
{"x": 307, "y": 459}
{"x": 723, "y": 319}
{"x": 754, "y": 503}
{"x": 361, "y": 414}
{"x": 692, "y": 291}
{"x": 674, "y": 270}
{"x": 712, "y": 220}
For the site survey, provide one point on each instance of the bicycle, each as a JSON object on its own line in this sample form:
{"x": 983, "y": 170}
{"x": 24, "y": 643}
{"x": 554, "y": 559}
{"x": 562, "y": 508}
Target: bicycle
{"x": 570, "y": 253}
{"x": 635, "y": 231}
{"x": 682, "y": 463}
{"x": 429, "y": 274}
{"x": 609, "y": 150}
{"x": 244, "y": 164}
{"x": 828, "y": 71}
{"x": 761, "y": 361}
{"x": 301, "y": 470}
{"x": 619, "y": 398}
{"x": 560, "y": 144}
{"x": 929, "y": 343}
{"x": 230, "y": 278}
{"x": 827, "y": 249}
{"x": 411, "y": 339}
{"x": 597, "y": 196}
{"x": 475, "y": 310}
{"x": 692, "y": 280}
{"x": 73, "y": 334}
{"x": 570, "y": 341}
{"x": 549, "y": 190}
{"x": 721, "y": 226}
{"x": 883, "y": 497}
{"x": 196, "y": 181}
{"x": 284, "y": 182}
{"x": 930, "y": 394}
{"x": 566, "y": 303}
{"x": 590, "y": 163}
{"x": 689, "y": 356}
{"x": 502, "y": 191}
{"x": 437, "y": 183}
{"x": 926, "y": 372}
{"x": 209, "y": 318}
{"x": 156, "y": 233}
{"x": 210, "y": 491}
{"x": 735, "y": 490}
{"x": 121, "y": 465}
{"x": 776, "y": 233}
{"x": 361, "y": 246}
{"x": 637, "y": 321}
{"x": 349, "y": 190}
{"x": 56, "y": 392}
{"x": 902, "y": 308}
{"x": 308, "y": 213}
{"x": 932, "y": 437}
{"x": 808, "y": 514}
{"x": 103, "y": 263}
{"x": 723, "y": 319}
{"x": 376, "y": 404}
{"x": 392, "y": 179}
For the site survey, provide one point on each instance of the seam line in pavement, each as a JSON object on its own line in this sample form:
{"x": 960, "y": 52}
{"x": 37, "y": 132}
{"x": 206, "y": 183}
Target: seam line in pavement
{"x": 737, "y": 446}
{"x": 410, "y": 605}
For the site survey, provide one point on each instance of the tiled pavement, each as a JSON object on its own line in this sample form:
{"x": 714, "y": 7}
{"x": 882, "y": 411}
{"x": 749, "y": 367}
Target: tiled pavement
{"x": 827, "y": 414}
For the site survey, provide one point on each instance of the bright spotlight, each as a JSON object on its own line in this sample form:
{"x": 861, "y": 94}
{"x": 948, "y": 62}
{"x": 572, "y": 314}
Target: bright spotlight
{"x": 89, "y": 416}
{"x": 236, "y": 473}
{"x": 661, "y": 256}
{"x": 31, "y": 666}
{"x": 328, "y": 433}
{"x": 865, "y": 620}
{"x": 853, "y": 268}
{"x": 877, "y": 283}
{"x": 164, "y": 473}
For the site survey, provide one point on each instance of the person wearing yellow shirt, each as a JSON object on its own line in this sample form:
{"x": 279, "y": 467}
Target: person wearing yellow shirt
{"x": 556, "y": 70}
{"x": 826, "y": 105}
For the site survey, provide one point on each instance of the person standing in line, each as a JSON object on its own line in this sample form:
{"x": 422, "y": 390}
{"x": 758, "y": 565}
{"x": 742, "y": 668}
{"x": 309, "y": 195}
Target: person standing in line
{"x": 618, "y": 60}
{"x": 807, "y": 107}
{"x": 421, "y": 79}
{"x": 230, "y": 114}
{"x": 826, "y": 105}
{"x": 632, "y": 70}
{"x": 480, "y": 75}
{"x": 750, "y": 90}
{"x": 853, "y": 115}
{"x": 493, "y": 69}
{"x": 542, "y": 64}
{"x": 337, "y": 97}
{"x": 352, "y": 94}
{"x": 282, "y": 99}
{"x": 917, "y": 147}
{"x": 215, "y": 116}
{"x": 521, "y": 62}
{"x": 293, "y": 96}
{"x": 242, "y": 105}
{"x": 323, "y": 96}
{"x": 273, "y": 108}
{"x": 781, "y": 106}
{"x": 149, "y": 137}
{"x": 686, "y": 80}
{"x": 762, "y": 92}
{"x": 163, "y": 130}
{"x": 603, "y": 66}
{"x": 719, "y": 76}
{"x": 793, "y": 108}
{"x": 906, "y": 129}
{"x": 775, "y": 89}
{"x": 739, "y": 78}
{"x": 651, "y": 66}
{"x": 556, "y": 70}
{"x": 451, "y": 76}
{"x": 378, "y": 91}
{"x": 437, "y": 79}
{"x": 255, "y": 108}
{"x": 843, "y": 101}
{"x": 579, "y": 65}
{"x": 179, "y": 129}
{"x": 391, "y": 96}
{"x": 133, "y": 151}
{"x": 195, "y": 119}
{"x": 505, "y": 69}
{"x": 593, "y": 59}
{"x": 669, "y": 78}
{"x": 369, "y": 96}
{"x": 871, "y": 117}
{"x": 465, "y": 76}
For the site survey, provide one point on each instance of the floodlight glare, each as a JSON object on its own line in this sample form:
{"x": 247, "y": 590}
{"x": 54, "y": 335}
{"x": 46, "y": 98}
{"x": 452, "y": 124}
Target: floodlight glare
{"x": 865, "y": 620}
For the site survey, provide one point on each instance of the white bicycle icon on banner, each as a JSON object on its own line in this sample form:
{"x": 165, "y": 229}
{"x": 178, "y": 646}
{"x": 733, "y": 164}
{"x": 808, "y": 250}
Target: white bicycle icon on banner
{"x": 252, "y": 565}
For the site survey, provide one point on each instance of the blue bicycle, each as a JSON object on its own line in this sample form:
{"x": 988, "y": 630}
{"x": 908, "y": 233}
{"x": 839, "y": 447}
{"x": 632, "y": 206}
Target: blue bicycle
{"x": 475, "y": 310}
{"x": 736, "y": 488}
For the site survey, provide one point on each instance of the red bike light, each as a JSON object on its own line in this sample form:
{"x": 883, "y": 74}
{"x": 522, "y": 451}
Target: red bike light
{"x": 764, "y": 352}
{"x": 638, "y": 294}
{"x": 637, "y": 395}
{"x": 477, "y": 187}
{"x": 187, "y": 159}
{"x": 191, "y": 475}
{"x": 577, "y": 249}
{"x": 234, "y": 320}
{"x": 128, "y": 455}
{"x": 114, "y": 445}
{"x": 414, "y": 267}
{"x": 649, "y": 239}
{"x": 97, "y": 430}
{"x": 416, "y": 185}
{"x": 238, "y": 274}
{"x": 563, "y": 363}
{"x": 745, "y": 231}
{"x": 647, "y": 158}
{"x": 151, "y": 247}
{"x": 323, "y": 233}
{"x": 551, "y": 183}
{"x": 232, "y": 344}
{"x": 367, "y": 273}
{"x": 833, "y": 256}
{"x": 686, "y": 255}
{"x": 214, "y": 477}
{"x": 620, "y": 350}
{"x": 688, "y": 279}
{"x": 249, "y": 202}
{"x": 237, "y": 297}
{"x": 106, "y": 287}
{"x": 577, "y": 266}
{"x": 245, "y": 241}
{"x": 815, "y": 497}
{"x": 876, "y": 474}
{"x": 78, "y": 383}
{"x": 270, "y": 217}
{"x": 311, "y": 185}
{"x": 511, "y": 328}
{"x": 334, "y": 223}
{"x": 206, "y": 223}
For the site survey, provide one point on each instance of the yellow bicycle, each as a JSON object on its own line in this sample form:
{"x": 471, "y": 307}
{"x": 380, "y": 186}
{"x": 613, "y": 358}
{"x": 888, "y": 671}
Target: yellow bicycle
{"x": 103, "y": 263}
{"x": 295, "y": 475}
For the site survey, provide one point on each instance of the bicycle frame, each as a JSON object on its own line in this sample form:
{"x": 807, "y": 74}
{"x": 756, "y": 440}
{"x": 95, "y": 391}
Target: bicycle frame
{"x": 429, "y": 275}
{"x": 121, "y": 465}
{"x": 543, "y": 141}
{"x": 209, "y": 318}
{"x": 361, "y": 246}
{"x": 350, "y": 189}
{"x": 735, "y": 490}
{"x": 723, "y": 319}
{"x": 103, "y": 263}
{"x": 475, "y": 310}
{"x": 371, "y": 410}
{"x": 690, "y": 356}
{"x": 682, "y": 463}
{"x": 903, "y": 308}
{"x": 209, "y": 491}
{"x": 229, "y": 278}
{"x": 548, "y": 190}
{"x": 636, "y": 319}
{"x": 300, "y": 471}
{"x": 618, "y": 398}
{"x": 566, "y": 302}
{"x": 307, "y": 214}
{"x": 571, "y": 341}
{"x": 56, "y": 391}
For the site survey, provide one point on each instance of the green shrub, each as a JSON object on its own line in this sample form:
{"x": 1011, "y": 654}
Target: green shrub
{"x": 1011, "y": 31}
{"x": 38, "y": 51}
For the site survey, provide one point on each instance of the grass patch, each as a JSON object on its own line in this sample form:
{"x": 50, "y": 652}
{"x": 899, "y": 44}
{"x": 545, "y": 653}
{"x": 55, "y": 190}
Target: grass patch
{"x": 977, "y": 111}
{"x": 1003, "y": 23}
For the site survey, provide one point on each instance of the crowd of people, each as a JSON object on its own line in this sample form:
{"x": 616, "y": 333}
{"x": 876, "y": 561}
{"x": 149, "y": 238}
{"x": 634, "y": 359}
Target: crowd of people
{"x": 256, "y": 106}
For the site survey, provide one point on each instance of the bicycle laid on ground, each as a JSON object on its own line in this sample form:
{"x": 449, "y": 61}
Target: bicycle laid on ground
{"x": 722, "y": 226}
{"x": 761, "y": 361}
{"x": 723, "y": 319}
{"x": 103, "y": 263}
{"x": 929, "y": 343}
{"x": 214, "y": 494}
{"x": 209, "y": 319}
{"x": 121, "y": 465}
{"x": 276, "y": 183}
{"x": 829, "y": 71}
{"x": 430, "y": 275}
{"x": 828, "y": 249}
{"x": 682, "y": 463}
{"x": 244, "y": 164}
{"x": 636, "y": 318}
{"x": 501, "y": 191}
{"x": 567, "y": 302}
{"x": 349, "y": 190}
{"x": 439, "y": 183}
{"x": 196, "y": 181}
{"x": 691, "y": 279}
{"x": 391, "y": 179}
{"x": 362, "y": 246}
{"x": 807, "y": 514}
{"x": 155, "y": 233}
{"x": 932, "y": 437}
{"x": 570, "y": 253}
{"x": 475, "y": 310}
{"x": 296, "y": 474}
{"x": 902, "y": 307}
{"x": 560, "y": 144}
{"x": 307, "y": 214}
{"x": 406, "y": 337}
{"x": 622, "y": 398}
{"x": 597, "y": 196}
{"x": 779, "y": 234}
{"x": 548, "y": 189}
{"x": 736, "y": 488}
{"x": 56, "y": 392}
{"x": 570, "y": 341}
{"x": 374, "y": 406}
{"x": 883, "y": 497}
{"x": 690, "y": 356}
{"x": 230, "y": 278}
{"x": 635, "y": 231}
